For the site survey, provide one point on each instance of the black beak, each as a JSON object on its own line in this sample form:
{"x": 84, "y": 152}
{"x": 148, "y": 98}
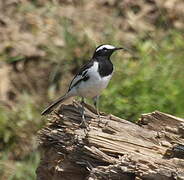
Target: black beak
{"x": 119, "y": 48}
{"x": 123, "y": 48}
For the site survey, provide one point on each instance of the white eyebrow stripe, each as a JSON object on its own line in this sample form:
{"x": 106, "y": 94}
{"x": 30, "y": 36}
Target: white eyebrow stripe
{"x": 105, "y": 46}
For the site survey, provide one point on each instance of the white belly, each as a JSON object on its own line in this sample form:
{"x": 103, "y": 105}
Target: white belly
{"x": 94, "y": 85}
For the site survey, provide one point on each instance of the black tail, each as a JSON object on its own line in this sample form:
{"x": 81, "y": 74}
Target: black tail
{"x": 49, "y": 109}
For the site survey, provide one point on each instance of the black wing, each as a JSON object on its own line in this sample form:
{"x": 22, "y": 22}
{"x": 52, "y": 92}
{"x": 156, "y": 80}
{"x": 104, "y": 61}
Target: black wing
{"x": 82, "y": 74}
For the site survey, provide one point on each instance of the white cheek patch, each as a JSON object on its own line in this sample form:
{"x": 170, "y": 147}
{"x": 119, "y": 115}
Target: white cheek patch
{"x": 105, "y": 46}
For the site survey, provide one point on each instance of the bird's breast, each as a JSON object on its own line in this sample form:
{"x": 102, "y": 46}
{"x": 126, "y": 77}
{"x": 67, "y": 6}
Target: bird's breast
{"x": 105, "y": 67}
{"x": 95, "y": 84}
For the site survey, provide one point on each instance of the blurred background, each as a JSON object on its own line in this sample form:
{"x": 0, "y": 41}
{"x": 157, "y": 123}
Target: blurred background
{"x": 44, "y": 42}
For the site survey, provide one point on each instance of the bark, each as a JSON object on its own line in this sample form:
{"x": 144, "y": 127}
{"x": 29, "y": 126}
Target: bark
{"x": 113, "y": 148}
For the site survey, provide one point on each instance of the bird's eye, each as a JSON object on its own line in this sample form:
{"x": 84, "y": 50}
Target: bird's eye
{"x": 105, "y": 49}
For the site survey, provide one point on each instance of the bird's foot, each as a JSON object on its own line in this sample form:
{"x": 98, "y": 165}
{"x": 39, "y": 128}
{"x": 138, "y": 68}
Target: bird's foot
{"x": 84, "y": 123}
{"x": 99, "y": 119}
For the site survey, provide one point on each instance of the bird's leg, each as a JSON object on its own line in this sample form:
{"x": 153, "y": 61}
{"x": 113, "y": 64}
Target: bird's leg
{"x": 83, "y": 117}
{"x": 96, "y": 104}
{"x": 82, "y": 103}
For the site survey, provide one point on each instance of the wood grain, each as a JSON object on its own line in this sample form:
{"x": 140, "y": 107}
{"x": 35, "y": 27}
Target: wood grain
{"x": 113, "y": 148}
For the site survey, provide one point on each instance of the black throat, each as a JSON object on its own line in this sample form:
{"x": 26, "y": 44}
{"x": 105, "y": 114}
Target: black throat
{"x": 105, "y": 67}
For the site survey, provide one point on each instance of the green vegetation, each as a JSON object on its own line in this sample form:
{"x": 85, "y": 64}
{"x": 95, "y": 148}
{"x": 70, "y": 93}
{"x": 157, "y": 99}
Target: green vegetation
{"x": 47, "y": 42}
{"x": 19, "y": 157}
{"x": 19, "y": 169}
{"x": 152, "y": 81}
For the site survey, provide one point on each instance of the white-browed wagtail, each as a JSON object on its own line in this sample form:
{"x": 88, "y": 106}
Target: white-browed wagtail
{"x": 91, "y": 79}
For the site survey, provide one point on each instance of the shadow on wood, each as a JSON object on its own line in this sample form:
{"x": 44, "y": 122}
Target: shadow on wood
{"x": 113, "y": 148}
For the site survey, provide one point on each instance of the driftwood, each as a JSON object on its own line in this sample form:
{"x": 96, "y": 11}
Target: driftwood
{"x": 113, "y": 148}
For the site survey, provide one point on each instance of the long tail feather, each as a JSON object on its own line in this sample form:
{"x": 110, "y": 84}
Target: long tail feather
{"x": 50, "y": 108}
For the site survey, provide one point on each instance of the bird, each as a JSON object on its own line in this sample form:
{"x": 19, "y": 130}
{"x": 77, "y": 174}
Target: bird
{"x": 92, "y": 78}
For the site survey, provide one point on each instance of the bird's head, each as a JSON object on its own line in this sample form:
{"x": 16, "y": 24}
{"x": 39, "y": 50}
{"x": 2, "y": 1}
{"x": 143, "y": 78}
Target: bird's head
{"x": 105, "y": 50}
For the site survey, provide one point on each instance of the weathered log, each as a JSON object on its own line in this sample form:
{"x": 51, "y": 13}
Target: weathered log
{"x": 113, "y": 148}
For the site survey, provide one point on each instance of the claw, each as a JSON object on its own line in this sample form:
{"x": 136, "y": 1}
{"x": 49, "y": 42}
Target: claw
{"x": 83, "y": 117}
{"x": 96, "y": 100}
